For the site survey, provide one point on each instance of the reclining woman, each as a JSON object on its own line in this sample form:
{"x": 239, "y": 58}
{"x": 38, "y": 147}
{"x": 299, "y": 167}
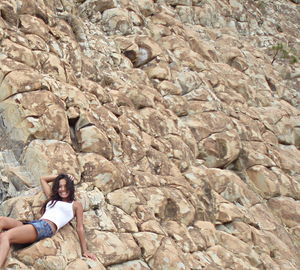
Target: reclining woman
{"x": 58, "y": 210}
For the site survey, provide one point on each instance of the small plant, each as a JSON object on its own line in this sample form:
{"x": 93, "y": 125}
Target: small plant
{"x": 262, "y": 6}
{"x": 293, "y": 59}
{"x": 281, "y": 52}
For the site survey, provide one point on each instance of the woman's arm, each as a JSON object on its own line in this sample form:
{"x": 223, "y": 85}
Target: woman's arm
{"x": 45, "y": 184}
{"x": 80, "y": 231}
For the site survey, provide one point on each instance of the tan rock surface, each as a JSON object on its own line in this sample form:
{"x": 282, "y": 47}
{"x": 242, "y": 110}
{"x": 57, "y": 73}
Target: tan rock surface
{"x": 178, "y": 118}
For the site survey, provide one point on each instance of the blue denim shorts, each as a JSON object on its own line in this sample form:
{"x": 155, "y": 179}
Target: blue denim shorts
{"x": 42, "y": 227}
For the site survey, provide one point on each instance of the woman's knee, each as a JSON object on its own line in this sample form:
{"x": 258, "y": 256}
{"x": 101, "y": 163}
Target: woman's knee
{"x": 2, "y": 221}
{"x": 7, "y": 223}
{"x": 4, "y": 237}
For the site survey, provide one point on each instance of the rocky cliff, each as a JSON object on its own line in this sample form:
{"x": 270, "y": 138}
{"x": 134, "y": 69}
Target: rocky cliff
{"x": 178, "y": 118}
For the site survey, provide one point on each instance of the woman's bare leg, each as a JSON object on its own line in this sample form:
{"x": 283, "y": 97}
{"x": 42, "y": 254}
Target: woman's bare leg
{"x": 7, "y": 223}
{"x": 18, "y": 235}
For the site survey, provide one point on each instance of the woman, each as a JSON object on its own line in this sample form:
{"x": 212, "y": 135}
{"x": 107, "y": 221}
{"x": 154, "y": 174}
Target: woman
{"x": 58, "y": 210}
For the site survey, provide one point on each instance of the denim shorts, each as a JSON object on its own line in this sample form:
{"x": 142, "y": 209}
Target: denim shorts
{"x": 42, "y": 227}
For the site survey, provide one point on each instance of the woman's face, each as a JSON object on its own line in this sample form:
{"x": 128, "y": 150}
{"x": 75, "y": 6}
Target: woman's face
{"x": 62, "y": 189}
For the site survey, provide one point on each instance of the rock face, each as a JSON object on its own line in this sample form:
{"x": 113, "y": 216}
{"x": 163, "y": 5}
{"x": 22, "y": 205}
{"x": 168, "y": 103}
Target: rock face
{"x": 179, "y": 119}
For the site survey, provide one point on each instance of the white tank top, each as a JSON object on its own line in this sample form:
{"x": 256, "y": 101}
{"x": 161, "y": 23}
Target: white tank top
{"x": 60, "y": 214}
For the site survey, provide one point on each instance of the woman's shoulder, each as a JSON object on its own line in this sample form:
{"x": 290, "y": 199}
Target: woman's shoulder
{"x": 77, "y": 208}
{"x": 77, "y": 204}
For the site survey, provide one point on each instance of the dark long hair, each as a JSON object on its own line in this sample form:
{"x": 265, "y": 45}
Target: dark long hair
{"x": 54, "y": 194}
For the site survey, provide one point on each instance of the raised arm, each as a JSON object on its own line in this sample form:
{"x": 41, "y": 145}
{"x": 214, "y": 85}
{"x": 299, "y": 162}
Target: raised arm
{"x": 80, "y": 231}
{"x": 45, "y": 180}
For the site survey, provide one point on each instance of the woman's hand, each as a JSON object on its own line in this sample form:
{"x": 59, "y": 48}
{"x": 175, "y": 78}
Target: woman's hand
{"x": 89, "y": 255}
{"x": 71, "y": 177}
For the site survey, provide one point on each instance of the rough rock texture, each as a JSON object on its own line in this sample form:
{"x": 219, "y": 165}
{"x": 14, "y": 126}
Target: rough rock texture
{"x": 179, "y": 119}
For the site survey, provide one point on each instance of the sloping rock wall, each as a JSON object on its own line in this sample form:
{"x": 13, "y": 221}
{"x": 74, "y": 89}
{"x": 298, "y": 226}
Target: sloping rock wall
{"x": 178, "y": 118}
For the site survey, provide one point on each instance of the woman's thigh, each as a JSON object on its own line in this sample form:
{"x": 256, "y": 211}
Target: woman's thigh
{"x": 7, "y": 223}
{"x": 24, "y": 234}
